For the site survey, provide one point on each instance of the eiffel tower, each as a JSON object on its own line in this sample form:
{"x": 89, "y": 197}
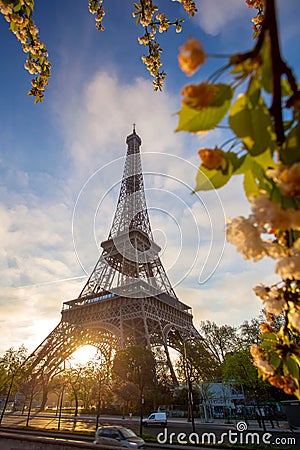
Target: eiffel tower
{"x": 128, "y": 298}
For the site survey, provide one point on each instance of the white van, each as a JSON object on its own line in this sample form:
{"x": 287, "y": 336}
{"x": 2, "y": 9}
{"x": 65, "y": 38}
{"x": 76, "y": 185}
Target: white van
{"x": 156, "y": 418}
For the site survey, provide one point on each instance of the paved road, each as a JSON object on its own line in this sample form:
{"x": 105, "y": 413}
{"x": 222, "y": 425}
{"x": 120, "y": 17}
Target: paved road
{"x": 178, "y": 429}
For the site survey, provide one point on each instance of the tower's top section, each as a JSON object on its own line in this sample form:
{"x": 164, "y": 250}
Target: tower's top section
{"x": 130, "y": 265}
{"x": 134, "y": 142}
{"x": 131, "y": 212}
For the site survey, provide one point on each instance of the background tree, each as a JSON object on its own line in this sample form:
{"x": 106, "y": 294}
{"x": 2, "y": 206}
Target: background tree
{"x": 238, "y": 368}
{"x": 58, "y": 385}
{"x": 101, "y": 380}
{"x": 13, "y": 374}
{"x": 135, "y": 365}
{"x": 74, "y": 382}
{"x": 250, "y": 331}
{"x": 162, "y": 390}
{"x": 128, "y": 394}
{"x": 205, "y": 366}
{"x": 219, "y": 340}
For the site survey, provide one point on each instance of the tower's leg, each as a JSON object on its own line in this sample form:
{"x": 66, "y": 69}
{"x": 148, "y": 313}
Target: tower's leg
{"x": 170, "y": 365}
{"x": 45, "y": 385}
{"x": 169, "y": 362}
{"x": 147, "y": 335}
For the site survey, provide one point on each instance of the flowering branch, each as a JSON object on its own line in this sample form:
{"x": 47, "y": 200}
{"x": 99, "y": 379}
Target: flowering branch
{"x": 18, "y": 13}
{"x": 146, "y": 14}
{"x": 96, "y": 7}
{"x": 269, "y": 160}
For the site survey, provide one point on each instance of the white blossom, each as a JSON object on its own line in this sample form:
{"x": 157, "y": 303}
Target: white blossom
{"x": 289, "y": 267}
{"x": 273, "y": 250}
{"x": 294, "y": 319}
{"x": 271, "y": 297}
{"x": 245, "y": 236}
{"x": 5, "y": 9}
{"x": 260, "y": 362}
{"x": 296, "y": 247}
{"x": 287, "y": 178}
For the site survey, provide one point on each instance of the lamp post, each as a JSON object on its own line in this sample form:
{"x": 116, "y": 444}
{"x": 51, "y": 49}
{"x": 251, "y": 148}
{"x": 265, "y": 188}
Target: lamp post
{"x": 60, "y": 405}
{"x": 98, "y": 403}
{"x": 142, "y": 412}
{"x": 30, "y": 402}
{"x": 7, "y": 397}
{"x": 187, "y": 374}
{"x": 191, "y": 417}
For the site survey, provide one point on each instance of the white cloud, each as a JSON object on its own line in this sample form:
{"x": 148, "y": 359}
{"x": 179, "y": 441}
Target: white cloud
{"x": 105, "y": 113}
{"x": 227, "y": 297}
{"x": 216, "y": 16}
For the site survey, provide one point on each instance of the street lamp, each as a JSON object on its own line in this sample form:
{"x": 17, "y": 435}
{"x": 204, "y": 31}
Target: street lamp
{"x": 7, "y": 396}
{"x": 187, "y": 374}
{"x": 142, "y": 412}
{"x": 190, "y": 388}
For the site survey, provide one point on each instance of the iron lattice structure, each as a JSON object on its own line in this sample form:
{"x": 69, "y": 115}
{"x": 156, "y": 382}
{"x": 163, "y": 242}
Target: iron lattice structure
{"x": 128, "y": 298}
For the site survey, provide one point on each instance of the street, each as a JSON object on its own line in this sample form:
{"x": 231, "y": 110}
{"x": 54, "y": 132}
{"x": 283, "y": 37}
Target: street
{"x": 178, "y": 430}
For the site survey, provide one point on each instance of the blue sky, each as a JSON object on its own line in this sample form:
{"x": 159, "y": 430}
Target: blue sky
{"x": 61, "y": 162}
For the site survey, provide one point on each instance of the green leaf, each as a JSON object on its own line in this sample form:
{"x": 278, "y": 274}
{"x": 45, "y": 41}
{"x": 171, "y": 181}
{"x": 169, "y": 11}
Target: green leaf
{"x": 233, "y": 161}
{"x": 286, "y": 90}
{"x": 265, "y": 160}
{"x": 241, "y": 165}
{"x": 13, "y": 26}
{"x": 285, "y": 202}
{"x": 207, "y": 180}
{"x": 296, "y": 358}
{"x": 268, "y": 341}
{"x": 243, "y": 68}
{"x": 251, "y": 187}
{"x": 254, "y": 167}
{"x": 275, "y": 360}
{"x": 207, "y": 118}
{"x": 253, "y": 91}
{"x": 17, "y": 7}
{"x": 266, "y": 73}
{"x": 291, "y": 367}
{"x": 290, "y": 152}
{"x": 269, "y": 337}
{"x": 252, "y": 122}
{"x": 245, "y": 163}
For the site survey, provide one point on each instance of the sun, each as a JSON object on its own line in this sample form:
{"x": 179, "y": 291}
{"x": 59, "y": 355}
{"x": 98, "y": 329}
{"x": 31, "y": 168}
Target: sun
{"x": 82, "y": 355}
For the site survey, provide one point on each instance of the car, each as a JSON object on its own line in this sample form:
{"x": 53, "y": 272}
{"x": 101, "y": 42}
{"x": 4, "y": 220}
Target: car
{"x": 156, "y": 418}
{"x": 118, "y": 436}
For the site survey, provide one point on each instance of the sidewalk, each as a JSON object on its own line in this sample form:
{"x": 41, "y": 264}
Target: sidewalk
{"x": 220, "y": 423}
{"x": 251, "y": 424}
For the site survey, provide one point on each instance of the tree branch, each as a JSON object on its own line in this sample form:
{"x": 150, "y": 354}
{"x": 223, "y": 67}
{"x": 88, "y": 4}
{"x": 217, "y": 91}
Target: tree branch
{"x": 277, "y": 69}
